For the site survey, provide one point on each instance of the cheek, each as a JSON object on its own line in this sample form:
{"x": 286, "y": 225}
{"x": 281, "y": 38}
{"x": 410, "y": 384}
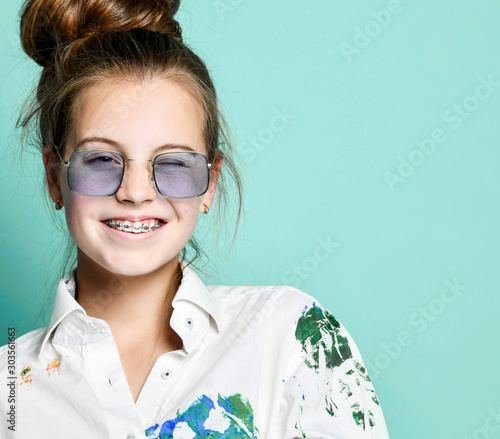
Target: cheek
{"x": 187, "y": 210}
{"x": 78, "y": 210}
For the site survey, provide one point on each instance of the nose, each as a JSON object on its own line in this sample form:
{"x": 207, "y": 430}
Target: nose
{"x": 137, "y": 186}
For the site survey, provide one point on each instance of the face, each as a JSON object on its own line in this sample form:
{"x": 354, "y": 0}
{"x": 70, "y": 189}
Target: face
{"x": 136, "y": 120}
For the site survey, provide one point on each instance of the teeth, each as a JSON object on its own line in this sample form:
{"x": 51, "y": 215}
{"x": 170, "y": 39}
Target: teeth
{"x": 127, "y": 226}
{"x": 135, "y": 227}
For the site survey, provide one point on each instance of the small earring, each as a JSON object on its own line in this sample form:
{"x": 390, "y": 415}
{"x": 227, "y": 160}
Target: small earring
{"x": 58, "y": 206}
{"x": 206, "y": 208}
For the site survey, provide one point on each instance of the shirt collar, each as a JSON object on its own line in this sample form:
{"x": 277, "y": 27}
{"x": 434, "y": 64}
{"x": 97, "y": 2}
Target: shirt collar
{"x": 64, "y": 304}
{"x": 193, "y": 306}
{"x": 192, "y": 291}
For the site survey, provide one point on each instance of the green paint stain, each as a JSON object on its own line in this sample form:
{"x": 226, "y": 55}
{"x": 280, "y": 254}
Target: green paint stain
{"x": 358, "y": 415}
{"x": 238, "y": 407}
{"x": 370, "y": 419}
{"x": 330, "y": 406}
{"x": 298, "y": 427}
{"x": 318, "y": 329}
{"x": 344, "y": 388}
{"x": 303, "y": 395}
{"x": 362, "y": 371}
{"x": 197, "y": 413}
{"x": 374, "y": 396}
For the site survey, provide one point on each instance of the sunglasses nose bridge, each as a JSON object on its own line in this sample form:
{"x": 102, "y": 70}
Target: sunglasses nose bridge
{"x": 126, "y": 171}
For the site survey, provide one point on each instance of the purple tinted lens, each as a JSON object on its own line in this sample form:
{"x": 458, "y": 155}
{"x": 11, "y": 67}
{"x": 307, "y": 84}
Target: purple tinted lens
{"x": 181, "y": 174}
{"x": 95, "y": 173}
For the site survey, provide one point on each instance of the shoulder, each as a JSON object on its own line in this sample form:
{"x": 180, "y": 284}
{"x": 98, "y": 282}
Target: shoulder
{"x": 284, "y": 310}
{"x": 249, "y": 293}
{"x": 283, "y": 298}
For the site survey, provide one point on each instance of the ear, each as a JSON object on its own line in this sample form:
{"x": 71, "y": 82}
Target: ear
{"x": 50, "y": 161}
{"x": 208, "y": 196}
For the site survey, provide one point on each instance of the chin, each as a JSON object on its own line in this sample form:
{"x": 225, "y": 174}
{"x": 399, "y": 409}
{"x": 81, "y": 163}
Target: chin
{"x": 125, "y": 270}
{"x": 133, "y": 266}
{"x": 128, "y": 263}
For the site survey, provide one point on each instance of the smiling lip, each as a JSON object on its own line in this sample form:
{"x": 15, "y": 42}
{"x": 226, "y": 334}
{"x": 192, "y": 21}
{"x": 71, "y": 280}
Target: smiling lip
{"x": 132, "y": 236}
{"x": 133, "y": 218}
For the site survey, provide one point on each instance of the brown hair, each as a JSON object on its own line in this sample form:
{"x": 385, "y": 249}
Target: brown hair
{"x": 80, "y": 43}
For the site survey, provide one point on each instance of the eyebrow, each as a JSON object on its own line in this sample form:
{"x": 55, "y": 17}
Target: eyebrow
{"x": 118, "y": 146}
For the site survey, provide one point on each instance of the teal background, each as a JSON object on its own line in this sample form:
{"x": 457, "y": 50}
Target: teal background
{"x": 323, "y": 177}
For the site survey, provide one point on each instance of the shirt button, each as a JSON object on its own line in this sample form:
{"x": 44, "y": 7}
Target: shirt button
{"x": 189, "y": 322}
{"x": 166, "y": 374}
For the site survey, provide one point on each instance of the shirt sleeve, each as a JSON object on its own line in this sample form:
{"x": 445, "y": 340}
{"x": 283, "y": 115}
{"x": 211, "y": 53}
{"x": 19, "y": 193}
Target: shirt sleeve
{"x": 329, "y": 394}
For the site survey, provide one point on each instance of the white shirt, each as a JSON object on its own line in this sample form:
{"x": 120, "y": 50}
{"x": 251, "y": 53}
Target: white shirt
{"x": 257, "y": 362}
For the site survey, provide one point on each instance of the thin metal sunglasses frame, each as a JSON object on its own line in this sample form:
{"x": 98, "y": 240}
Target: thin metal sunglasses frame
{"x": 124, "y": 160}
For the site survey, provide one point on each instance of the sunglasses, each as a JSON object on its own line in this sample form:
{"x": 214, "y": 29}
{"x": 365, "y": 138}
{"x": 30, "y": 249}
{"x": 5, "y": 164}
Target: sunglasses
{"x": 99, "y": 173}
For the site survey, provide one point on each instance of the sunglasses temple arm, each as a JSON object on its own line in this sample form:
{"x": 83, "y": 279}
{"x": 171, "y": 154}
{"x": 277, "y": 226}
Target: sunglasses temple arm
{"x": 60, "y": 158}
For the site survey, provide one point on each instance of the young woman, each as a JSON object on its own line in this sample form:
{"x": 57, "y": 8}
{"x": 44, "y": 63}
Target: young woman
{"x": 134, "y": 149}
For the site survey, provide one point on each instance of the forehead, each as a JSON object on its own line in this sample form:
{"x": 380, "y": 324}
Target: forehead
{"x": 139, "y": 116}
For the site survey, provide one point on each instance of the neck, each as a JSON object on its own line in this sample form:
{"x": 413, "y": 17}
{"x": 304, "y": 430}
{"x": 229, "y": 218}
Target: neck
{"x": 136, "y": 308}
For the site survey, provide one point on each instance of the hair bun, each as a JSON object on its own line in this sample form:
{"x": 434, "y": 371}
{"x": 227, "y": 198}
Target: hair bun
{"x": 48, "y": 24}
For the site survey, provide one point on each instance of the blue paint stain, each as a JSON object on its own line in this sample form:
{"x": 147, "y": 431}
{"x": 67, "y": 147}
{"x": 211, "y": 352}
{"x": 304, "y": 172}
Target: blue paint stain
{"x": 236, "y": 410}
{"x": 318, "y": 309}
{"x": 151, "y": 430}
